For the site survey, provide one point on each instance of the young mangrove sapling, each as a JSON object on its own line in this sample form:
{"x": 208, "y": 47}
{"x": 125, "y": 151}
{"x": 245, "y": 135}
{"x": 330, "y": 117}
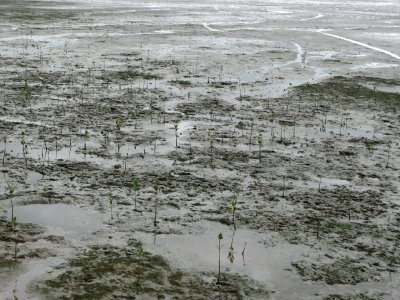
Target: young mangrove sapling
{"x": 156, "y": 189}
{"x": 110, "y": 200}
{"x": 260, "y": 144}
{"x": 11, "y": 190}
{"x": 233, "y": 209}
{"x": 220, "y": 237}
{"x": 176, "y": 125}
{"x": 14, "y": 228}
{"x": 136, "y": 187}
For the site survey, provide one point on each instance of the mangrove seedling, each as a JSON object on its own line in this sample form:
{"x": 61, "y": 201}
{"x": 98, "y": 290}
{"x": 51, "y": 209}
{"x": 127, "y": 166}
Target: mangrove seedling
{"x": 251, "y": 134}
{"x": 388, "y": 157}
{"x": 211, "y": 150}
{"x": 85, "y": 138}
{"x": 220, "y": 237}
{"x": 139, "y": 253}
{"x": 231, "y": 253}
{"x": 233, "y": 209}
{"x": 136, "y": 188}
{"x": 283, "y": 132}
{"x": 260, "y": 144}
{"x": 5, "y": 150}
{"x": 319, "y": 184}
{"x": 156, "y": 189}
{"x": 14, "y": 227}
{"x": 24, "y": 148}
{"x": 28, "y": 93}
{"x": 244, "y": 249}
{"x": 284, "y": 186}
{"x": 349, "y": 201}
{"x": 318, "y": 219}
{"x": 370, "y": 147}
{"x": 110, "y": 200}
{"x": 119, "y": 123}
{"x": 136, "y": 112}
{"x": 11, "y": 190}
{"x": 155, "y": 141}
{"x": 176, "y": 125}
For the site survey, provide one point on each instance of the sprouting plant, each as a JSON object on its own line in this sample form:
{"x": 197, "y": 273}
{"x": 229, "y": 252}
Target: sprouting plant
{"x": 5, "y": 149}
{"x": 139, "y": 253}
{"x": 319, "y": 184}
{"x": 190, "y": 148}
{"x": 251, "y": 134}
{"x": 220, "y": 237}
{"x": 24, "y": 147}
{"x": 176, "y": 127}
{"x": 341, "y": 124}
{"x": 155, "y": 141}
{"x": 260, "y": 144}
{"x": 349, "y": 201}
{"x": 136, "y": 112}
{"x": 11, "y": 190}
{"x": 156, "y": 189}
{"x": 151, "y": 110}
{"x": 233, "y": 208}
{"x": 244, "y": 249}
{"x": 284, "y": 186}
{"x": 231, "y": 253}
{"x": 283, "y": 132}
{"x": 304, "y": 59}
{"x": 27, "y": 93}
{"x": 272, "y": 133}
{"x": 110, "y": 200}
{"x": 14, "y": 228}
{"x": 126, "y": 162}
{"x": 119, "y": 123}
{"x": 388, "y": 157}
{"x": 370, "y": 146}
{"x": 318, "y": 220}
{"x": 136, "y": 188}
{"x": 231, "y": 256}
{"x": 85, "y": 138}
{"x": 211, "y": 150}
{"x": 306, "y": 134}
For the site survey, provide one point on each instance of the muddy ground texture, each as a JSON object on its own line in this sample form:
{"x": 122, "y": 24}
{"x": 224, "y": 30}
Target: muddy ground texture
{"x": 317, "y": 166}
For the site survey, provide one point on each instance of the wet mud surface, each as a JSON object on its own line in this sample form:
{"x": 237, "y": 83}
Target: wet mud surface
{"x": 199, "y": 102}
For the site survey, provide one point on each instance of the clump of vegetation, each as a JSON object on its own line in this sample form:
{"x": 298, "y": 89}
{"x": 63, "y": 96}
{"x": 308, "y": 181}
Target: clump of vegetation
{"x": 184, "y": 83}
{"x": 340, "y": 271}
{"x": 105, "y": 272}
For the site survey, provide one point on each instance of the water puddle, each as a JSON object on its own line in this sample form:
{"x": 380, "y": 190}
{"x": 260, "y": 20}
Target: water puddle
{"x": 36, "y": 269}
{"x": 266, "y": 258}
{"x": 33, "y": 178}
{"x": 59, "y": 219}
{"x": 330, "y": 182}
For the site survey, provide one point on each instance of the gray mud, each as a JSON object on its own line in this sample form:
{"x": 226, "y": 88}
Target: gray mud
{"x": 295, "y": 110}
